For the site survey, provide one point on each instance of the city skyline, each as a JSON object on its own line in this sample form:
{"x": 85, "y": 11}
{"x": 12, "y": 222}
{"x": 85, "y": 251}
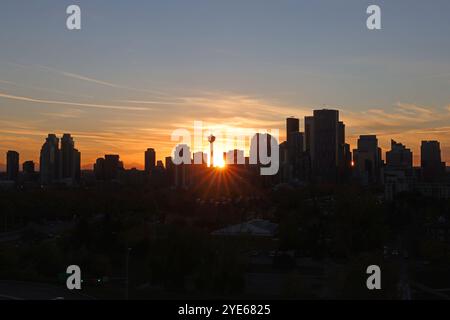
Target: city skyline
{"x": 246, "y": 65}
{"x": 292, "y": 126}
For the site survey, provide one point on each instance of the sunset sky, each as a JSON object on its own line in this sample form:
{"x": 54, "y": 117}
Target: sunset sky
{"x": 140, "y": 69}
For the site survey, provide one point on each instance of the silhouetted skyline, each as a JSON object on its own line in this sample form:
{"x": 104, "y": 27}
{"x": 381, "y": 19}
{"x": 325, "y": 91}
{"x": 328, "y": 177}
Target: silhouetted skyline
{"x": 241, "y": 65}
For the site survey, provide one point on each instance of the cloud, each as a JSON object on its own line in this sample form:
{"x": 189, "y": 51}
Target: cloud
{"x": 98, "y": 82}
{"x": 152, "y": 102}
{"x": 35, "y": 88}
{"x": 64, "y": 114}
{"x": 87, "y": 105}
{"x": 400, "y": 116}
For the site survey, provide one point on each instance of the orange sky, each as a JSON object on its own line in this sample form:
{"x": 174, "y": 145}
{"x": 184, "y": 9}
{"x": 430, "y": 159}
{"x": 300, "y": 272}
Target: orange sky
{"x": 130, "y": 134}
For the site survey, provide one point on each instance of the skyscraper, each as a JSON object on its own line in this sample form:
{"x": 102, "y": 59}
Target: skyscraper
{"x": 28, "y": 167}
{"x": 367, "y": 160}
{"x": 292, "y": 126}
{"x": 67, "y": 156}
{"x": 99, "y": 169}
{"x": 344, "y": 154}
{"x": 182, "y": 171}
{"x": 12, "y": 165}
{"x": 112, "y": 165}
{"x": 70, "y": 160}
{"x": 309, "y": 136}
{"x": 399, "y": 157}
{"x": 50, "y": 160}
{"x": 77, "y": 166}
{"x": 431, "y": 163}
{"x": 150, "y": 160}
{"x": 107, "y": 168}
{"x": 325, "y": 163}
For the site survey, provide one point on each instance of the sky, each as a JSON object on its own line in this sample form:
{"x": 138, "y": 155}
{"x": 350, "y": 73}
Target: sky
{"x": 138, "y": 70}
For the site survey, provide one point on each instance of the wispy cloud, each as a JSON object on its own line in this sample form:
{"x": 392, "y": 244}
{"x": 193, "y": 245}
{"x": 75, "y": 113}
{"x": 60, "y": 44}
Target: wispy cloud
{"x": 35, "y": 88}
{"x": 64, "y": 114}
{"x": 98, "y": 82}
{"x": 67, "y": 103}
{"x": 400, "y": 116}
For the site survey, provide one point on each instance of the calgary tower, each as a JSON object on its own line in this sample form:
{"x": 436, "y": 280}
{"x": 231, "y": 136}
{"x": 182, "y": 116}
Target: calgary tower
{"x": 211, "y": 140}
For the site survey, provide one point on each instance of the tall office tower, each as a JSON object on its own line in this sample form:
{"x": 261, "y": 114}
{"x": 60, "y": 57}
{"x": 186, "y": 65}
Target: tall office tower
{"x": 309, "y": 136}
{"x": 77, "y": 166}
{"x": 341, "y": 146}
{"x": 12, "y": 165}
{"x": 326, "y": 127}
{"x": 67, "y": 156}
{"x": 344, "y": 154}
{"x": 181, "y": 171}
{"x": 150, "y": 160}
{"x": 367, "y": 160}
{"x": 285, "y": 169}
{"x": 70, "y": 160}
{"x": 50, "y": 160}
{"x": 341, "y": 133}
{"x": 168, "y": 163}
{"x": 433, "y": 168}
{"x": 296, "y": 156}
{"x": 112, "y": 165}
{"x": 292, "y": 126}
{"x": 28, "y": 167}
{"x": 99, "y": 169}
{"x": 170, "y": 171}
{"x": 295, "y": 146}
{"x": 399, "y": 157}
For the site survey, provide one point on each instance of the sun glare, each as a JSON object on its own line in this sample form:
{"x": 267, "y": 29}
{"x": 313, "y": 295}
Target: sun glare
{"x": 220, "y": 163}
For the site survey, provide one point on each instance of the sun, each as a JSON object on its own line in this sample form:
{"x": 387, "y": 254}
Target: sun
{"x": 220, "y": 164}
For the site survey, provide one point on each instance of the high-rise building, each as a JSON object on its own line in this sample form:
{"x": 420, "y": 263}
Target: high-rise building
{"x": 168, "y": 163}
{"x": 28, "y": 167}
{"x": 150, "y": 160}
{"x": 12, "y": 165}
{"x": 326, "y": 145}
{"x": 367, "y": 160}
{"x": 296, "y": 156}
{"x": 77, "y": 166}
{"x": 294, "y": 150}
{"x": 433, "y": 169}
{"x": 182, "y": 171}
{"x": 108, "y": 168}
{"x": 67, "y": 156}
{"x": 170, "y": 170}
{"x": 70, "y": 160}
{"x": 112, "y": 166}
{"x": 50, "y": 160}
{"x": 309, "y": 136}
{"x": 399, "y": 157}
{"x": 99, "y": 169}
{"x": 344, "y": 155}
{"x": 292, "y": 126}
